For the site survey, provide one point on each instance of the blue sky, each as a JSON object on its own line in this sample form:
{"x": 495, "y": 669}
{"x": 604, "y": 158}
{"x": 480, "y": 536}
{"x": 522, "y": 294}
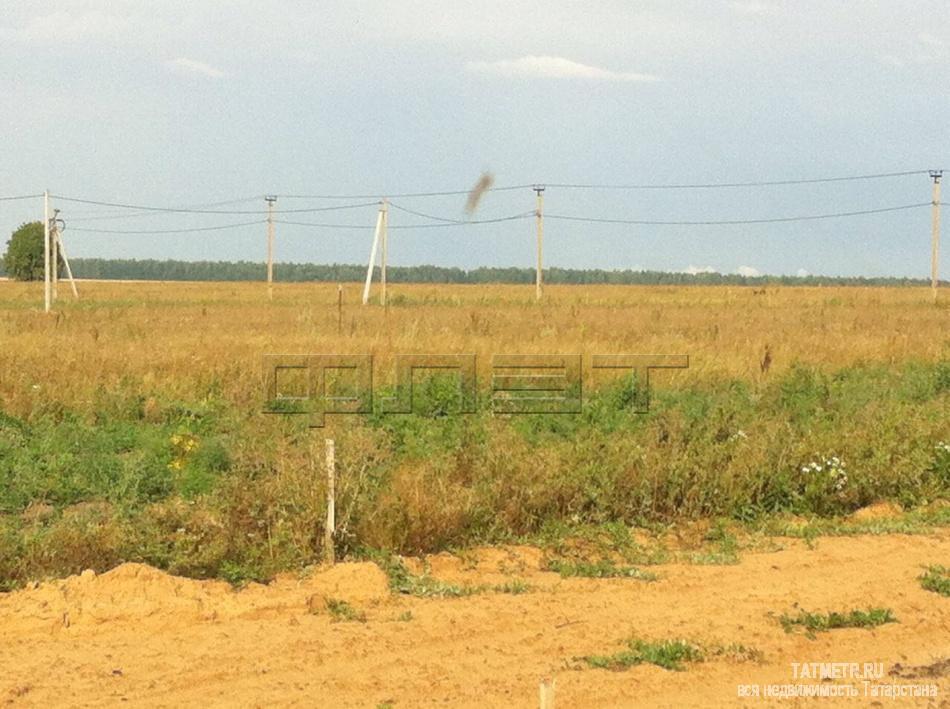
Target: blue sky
{"x": 189, "y": 103}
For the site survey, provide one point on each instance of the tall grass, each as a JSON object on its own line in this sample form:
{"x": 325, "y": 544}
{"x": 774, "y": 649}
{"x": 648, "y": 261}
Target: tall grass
{"x": 130, "y": 423}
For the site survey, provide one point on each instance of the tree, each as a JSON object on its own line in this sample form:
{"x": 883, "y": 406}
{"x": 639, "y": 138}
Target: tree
{"x": 24, "y": 257}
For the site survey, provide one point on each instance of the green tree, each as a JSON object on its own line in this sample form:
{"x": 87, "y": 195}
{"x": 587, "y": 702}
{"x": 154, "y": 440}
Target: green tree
{"x": 24, "y": 257}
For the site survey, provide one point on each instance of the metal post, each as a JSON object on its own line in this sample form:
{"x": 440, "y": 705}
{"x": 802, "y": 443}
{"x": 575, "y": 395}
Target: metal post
{"x": 385, "y": 245}
{"x": 935, "y": 234}
{"x": 270, "y": 199}
{"x": 539, "y": 189}
{"x": 47, "y": 293}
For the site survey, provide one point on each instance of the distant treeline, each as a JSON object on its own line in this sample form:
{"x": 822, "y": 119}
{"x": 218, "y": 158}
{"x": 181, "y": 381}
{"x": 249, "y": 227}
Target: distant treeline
{"x": 149, "y": 269}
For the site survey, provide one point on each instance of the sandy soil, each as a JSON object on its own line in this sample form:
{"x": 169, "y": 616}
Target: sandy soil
{"x": 142, "y": 637}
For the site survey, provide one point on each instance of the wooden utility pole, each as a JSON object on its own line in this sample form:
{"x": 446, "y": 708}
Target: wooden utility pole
{"x": 935, "y": 175}
{"x": 47, "y": 291}
{"x": 270, "y": 199}
{"x": 539, "y": 213}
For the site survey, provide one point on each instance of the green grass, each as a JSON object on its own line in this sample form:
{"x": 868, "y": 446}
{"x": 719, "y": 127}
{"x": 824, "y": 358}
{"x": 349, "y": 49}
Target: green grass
{"x": 515, "y": 587}
{"x": 343, "y": 612}
{"x": 402, "y": 581}
{"x": 201, "y": 485}
{"x": 602, "y": 569}
{"x": 668, "y": 654}
{"x": 822, "y": 622}
{"x": 936, "y": 579}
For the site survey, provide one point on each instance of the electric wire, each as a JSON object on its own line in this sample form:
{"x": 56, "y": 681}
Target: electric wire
{"x": 186, "y": 210}
{"x": 424, "y": 215}
{"x": 400, "y": 195}
{"x": 726, "y": 185}
{"x": 93, "y": 215}
{"x": 168, "y": 231}
{"x": 496, "y": 220}
{"x": 14, "y": 198}
{"x": 705, "y": 222}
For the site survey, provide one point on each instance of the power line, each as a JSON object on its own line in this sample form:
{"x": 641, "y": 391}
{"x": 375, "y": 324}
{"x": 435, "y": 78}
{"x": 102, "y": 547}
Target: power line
{"x": 641, "y": 186}
{"x": 447, "y": 223}
{"x": 447, "y": 193}
{"x": 720, "y": 185}
{"x": 21, "y": 196}
{"x": 424, "y": 215}
{"x": 772, "y": 220}
{"x": 168, "y": 231}
{"x": 111, "y": 215}
{"x": 186, "y": 210}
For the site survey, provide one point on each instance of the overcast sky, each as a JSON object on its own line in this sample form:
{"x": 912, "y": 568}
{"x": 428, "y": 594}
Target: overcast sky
{"x": 190, "y": 103}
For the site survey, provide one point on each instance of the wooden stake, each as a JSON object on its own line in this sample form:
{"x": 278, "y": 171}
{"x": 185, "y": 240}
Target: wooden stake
{"x": 547, "y": 694}
{"x": 935, "y": 234}
{"x": 339, "y": 309}
{"x": 330, "y": 527}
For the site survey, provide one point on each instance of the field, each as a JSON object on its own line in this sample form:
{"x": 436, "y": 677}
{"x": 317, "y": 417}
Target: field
{"x": 801, "y": 463}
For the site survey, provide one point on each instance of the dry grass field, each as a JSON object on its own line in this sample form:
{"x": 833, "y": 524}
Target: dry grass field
{"x": 177, "y": 338}
{"x": 658, "y": 558}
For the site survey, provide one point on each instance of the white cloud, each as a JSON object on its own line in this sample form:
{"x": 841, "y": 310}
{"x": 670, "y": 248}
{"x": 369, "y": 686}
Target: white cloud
{"x": 748, "y": 271}
{"x": 192, "y": 66}
{"x": 694, "y": 270}
{"x": 547, "y": 67}
{"x": 801, "y": 273}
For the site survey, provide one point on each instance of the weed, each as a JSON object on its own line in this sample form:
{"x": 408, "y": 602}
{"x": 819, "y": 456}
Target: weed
{"x": 515, "y": 587}
{"x": 821, "y": 622}
{"x": 668, "y": 654}
{"x": 605, "y": 568}
{"x": 736, "y": 652}
{"x": 936, "y": 579}
{"x": 424, "y": 586}
{"x": 342, "y": 612}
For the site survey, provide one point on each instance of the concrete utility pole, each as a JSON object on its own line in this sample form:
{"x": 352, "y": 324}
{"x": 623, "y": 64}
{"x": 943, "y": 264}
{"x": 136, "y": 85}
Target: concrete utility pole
{"x": 47, "y": 291}
{"x": 56, "y": 246}
{"x": 539, "y": 213}
{"x": 62, "y": 252}
{"x": 270, "y": 199}
{"x": 377, "y": 237}
{"x": 385, "y": 246}
{"x": 935, "y": 175}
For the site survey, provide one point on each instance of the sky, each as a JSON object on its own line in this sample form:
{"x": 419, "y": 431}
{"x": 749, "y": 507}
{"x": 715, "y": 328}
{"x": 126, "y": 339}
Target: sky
{"x": 203, "y": 102}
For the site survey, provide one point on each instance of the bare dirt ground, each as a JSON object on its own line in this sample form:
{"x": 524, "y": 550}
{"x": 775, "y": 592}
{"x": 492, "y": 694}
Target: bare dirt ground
{"x": 139, "y": 636}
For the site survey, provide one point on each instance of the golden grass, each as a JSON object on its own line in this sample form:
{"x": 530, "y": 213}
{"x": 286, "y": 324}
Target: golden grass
{"x": 179, "y": 338}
